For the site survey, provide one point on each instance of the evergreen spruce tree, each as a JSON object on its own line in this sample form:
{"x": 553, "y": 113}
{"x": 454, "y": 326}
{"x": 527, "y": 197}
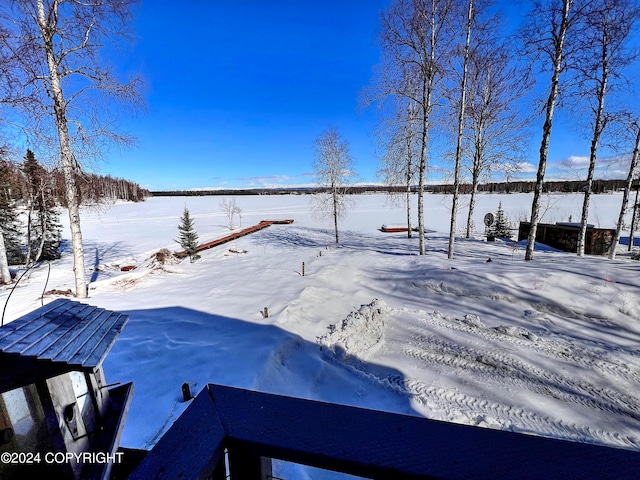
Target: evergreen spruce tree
{"x": 44, "y": 228}
{"x": 501, "y": 227}
{"x": 187, "y": 237}
{"x": 9, "y": 221}
{"x": 52, "y": 236}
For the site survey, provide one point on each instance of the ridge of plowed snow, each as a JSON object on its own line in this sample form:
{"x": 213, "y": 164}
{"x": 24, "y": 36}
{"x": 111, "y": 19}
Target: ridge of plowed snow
{"x": 358, "y": 332}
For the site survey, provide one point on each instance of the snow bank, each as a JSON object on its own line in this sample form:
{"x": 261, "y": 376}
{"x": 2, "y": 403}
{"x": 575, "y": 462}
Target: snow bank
{"x": 358, "y": 333}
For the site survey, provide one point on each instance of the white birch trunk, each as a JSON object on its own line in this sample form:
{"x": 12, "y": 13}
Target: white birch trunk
{"x": 625, "y": 197}
{"x": 42, "y": 215}
{"x": 408, "y": 200}
{"x": 335, "y": 199}
{"x": 5, "y": 275}
{"x": 409, "y": 170}
{"x": 66, "y": 154}
{"x": 472, "y": 202}
{"x": 598, "y": 127}
{"x": 546, "y": 130}
{"x": 422, "y": 167}
{"x": 421, "y": 174}
{"x": 634, "y": 220}
{"x": 427, "y": 95}
{"x": 27, "y": 259}
{"x": 463, "y": 99}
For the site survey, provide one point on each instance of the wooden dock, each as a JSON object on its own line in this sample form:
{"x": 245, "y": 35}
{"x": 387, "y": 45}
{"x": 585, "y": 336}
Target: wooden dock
{"x": 233, "y": 236}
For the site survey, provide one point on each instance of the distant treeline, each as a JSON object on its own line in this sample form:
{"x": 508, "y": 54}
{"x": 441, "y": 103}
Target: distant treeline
{"x": 563, "y": 186}
{"x": 92, "y": 188}
{"x": 558, "y": 186}
{"x": 30, "y": 197}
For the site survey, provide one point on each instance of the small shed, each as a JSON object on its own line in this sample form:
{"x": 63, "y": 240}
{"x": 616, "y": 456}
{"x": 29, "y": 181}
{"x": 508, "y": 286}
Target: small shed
{"x": 564, "y": 236}
{"x": 54, "y": 399}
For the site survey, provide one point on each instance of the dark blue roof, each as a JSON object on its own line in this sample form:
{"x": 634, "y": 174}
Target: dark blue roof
{"x": 63, "y": 331}
{"x": 363, "y": 442}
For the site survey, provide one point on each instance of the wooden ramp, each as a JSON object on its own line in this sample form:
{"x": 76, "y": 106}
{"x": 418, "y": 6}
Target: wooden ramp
{"x": 245, "y": 231}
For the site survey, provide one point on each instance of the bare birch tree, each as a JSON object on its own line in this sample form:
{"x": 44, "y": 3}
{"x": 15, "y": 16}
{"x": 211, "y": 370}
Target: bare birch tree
{"x": 415, "y": 34}
{"x": 55, "y": 45}
{"x": 398, "y": 165}
{"x": 608, "y": 27}
{"x": 461, "y": 110}
{"x": 633, "y": 166}
{"x": 546, "y": 39}
{"x": 496, "y": 127}
{"x": 231, "y": 208}
{"x": 334, "y": 169}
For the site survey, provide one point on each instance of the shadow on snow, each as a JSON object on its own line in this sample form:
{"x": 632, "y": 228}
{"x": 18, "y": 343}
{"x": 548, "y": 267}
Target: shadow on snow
{"x": 160, "y": 349}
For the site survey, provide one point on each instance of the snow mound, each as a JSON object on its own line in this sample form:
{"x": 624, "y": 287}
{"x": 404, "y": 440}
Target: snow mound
{"x": 516, "y": 332}
{"x": 358, "y": 333}
{"x": 473, "y": 320}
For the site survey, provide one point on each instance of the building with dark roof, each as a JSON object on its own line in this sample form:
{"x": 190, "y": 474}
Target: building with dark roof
{"x": 55, "y": 404}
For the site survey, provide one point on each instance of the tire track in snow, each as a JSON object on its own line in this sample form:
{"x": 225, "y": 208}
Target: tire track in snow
{"x": 559, "y": 348}
{"x": 450, "y": 404}
{"x": 440, "y": 400}
{"x": 509, "y": 370}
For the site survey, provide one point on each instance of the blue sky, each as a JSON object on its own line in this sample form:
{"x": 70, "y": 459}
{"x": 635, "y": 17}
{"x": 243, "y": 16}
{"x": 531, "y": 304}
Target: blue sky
{"x": 237, "y": 92}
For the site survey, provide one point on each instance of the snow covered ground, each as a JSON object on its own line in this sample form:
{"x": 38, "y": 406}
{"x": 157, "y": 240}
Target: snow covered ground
{"x": 549, "y": 347}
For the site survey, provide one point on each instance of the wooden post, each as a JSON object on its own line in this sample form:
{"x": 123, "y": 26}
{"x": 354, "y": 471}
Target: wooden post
{"x": 303, "y": 269}
{"x": 186, "y": 392}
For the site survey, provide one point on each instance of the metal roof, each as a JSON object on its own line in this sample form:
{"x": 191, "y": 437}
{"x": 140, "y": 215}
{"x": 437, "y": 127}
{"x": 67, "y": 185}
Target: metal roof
{"x": 63, "y": 331}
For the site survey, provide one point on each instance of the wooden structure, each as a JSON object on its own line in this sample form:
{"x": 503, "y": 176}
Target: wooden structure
{"x": 564, "y": 236}
{"x": 233, "y": 236}
{"x": 242, "y": 430}
{"x": 396, "y": 228}
{"x": 53, "y": 395}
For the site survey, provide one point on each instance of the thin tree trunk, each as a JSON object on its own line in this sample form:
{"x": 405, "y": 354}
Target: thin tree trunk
{"x": 408, "y": 199}
{"x": 5, "y": 275}
{"x": 456, "y": 172}
{"x": 421, "y": 171}
{"x": 27, "y": 259}
{"x": 598, "y": 127}
{"x": 546, "y": 131}
{"x": 427, "y": 94}
{"x": 42, "y": 215}
{"x": 66, "y": 155}
{"x": 335, "y": 213}
{"x": 472, "y": 202}
{"x": 634, "y": 220}
{"x": 408, "y": 177}
{"x": 625, "y": 196}
{"x": 582, "y": 235}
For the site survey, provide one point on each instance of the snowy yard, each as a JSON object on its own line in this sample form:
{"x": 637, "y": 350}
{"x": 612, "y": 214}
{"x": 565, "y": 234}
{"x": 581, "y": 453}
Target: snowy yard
{"x": 549, "y": 347}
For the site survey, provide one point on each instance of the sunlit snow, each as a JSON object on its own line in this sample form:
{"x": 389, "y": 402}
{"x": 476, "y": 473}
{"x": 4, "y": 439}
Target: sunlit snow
{"x": 548, "y": 347}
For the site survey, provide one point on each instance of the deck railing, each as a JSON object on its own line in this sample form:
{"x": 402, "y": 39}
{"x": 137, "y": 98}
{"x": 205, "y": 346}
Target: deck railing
{"x": 237, "y": 431}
